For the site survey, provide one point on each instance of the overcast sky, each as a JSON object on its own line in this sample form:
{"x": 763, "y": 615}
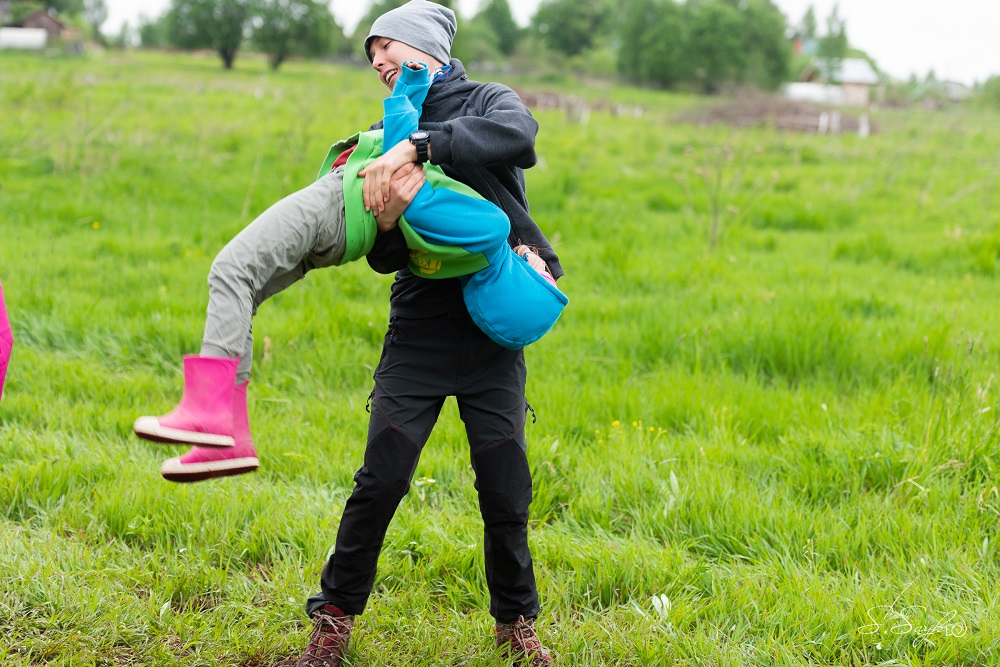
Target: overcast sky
{"x": 956, "y": 38}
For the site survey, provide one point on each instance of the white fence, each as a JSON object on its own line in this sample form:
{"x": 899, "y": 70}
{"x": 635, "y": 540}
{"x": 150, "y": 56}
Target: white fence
{"x": 815, "y": 92}
{"x": 31, "y": 39}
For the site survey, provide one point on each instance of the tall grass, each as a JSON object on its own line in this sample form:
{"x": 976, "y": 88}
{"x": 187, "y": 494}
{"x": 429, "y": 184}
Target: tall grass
{"x": 780, "y": 449}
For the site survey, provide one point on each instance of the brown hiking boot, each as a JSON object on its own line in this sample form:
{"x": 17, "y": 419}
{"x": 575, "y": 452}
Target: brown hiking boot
{"x": 519, "y": 642}
{"x": 328, "y": 643}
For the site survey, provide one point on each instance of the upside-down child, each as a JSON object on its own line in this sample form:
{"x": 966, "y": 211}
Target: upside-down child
{"x": 451, "y": 232}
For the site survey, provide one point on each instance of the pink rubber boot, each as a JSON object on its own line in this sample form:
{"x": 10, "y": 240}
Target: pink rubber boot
{"x": 207, "y": 462}
{"x": 205, "y": 414}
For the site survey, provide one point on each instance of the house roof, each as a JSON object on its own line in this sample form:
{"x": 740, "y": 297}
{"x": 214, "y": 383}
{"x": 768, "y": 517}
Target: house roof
{"x": 43, "y": 16}
{"x": 851, "y": 70}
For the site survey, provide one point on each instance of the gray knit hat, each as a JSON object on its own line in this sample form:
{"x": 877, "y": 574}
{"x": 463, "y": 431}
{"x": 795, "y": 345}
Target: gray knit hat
{"x": 424, "y": 25}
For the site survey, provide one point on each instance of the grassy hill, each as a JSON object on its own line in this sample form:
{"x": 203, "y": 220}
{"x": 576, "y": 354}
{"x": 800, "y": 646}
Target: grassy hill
{"x": 771, "y": 444}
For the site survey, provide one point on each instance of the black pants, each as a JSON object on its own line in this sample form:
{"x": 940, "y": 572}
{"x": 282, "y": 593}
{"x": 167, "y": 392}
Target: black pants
{"x": 424, "y": 361}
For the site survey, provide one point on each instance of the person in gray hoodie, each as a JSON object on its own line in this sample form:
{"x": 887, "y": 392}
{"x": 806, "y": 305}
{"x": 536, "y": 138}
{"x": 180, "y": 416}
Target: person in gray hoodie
{"x": 482, "y": 135}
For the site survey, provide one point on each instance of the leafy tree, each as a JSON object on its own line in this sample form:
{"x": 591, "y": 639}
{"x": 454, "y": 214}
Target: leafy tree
{"x": 991, "y": 92}
{"x": 767, "y": 54}
{"x": 215, "y": 24}
{"x": 573, "y": 26}
{"x": 808, "y": 24}
{"x": 650, "y": 42}
{"x": 713, "y": 44}
{"x": 476, "y": 42}
{"x": 497, "y": 17}
{"x": 154, "y": 33}
{"x": 125, "y": 38}
{"x": 833, "y": 45}
{"x": 705, "y": 43}
{"x": 95, "y": 12}
{"x": 294, "y": 27}
{"x": 65, "y": 6}
{"x": 21, "y": 9}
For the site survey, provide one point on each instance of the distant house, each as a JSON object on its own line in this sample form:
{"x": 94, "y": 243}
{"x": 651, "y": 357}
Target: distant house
{"x": 4, "y": 12}
{"x": 38, "y": 31}
{"x": 956, "y": 91}
{"x": 804, "y": 46}
{"x": 45, "y": 21}
{"x": 854, "y": 76}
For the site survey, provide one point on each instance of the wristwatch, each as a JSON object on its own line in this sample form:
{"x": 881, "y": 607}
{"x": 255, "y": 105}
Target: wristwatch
{"x": 421, "y": 139}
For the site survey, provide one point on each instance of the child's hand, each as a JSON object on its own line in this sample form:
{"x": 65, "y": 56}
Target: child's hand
{"x": 378, "y": 175}
{"x": 403, "y": 187}
{"x": 532, "y": 258}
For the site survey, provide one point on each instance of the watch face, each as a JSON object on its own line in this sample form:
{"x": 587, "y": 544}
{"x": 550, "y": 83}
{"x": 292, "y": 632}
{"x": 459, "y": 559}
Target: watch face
{"x": 420, "y": 135}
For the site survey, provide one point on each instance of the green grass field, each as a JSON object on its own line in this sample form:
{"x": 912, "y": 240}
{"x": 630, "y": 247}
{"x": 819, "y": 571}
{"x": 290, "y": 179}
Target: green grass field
{"x": 780, "y": 450}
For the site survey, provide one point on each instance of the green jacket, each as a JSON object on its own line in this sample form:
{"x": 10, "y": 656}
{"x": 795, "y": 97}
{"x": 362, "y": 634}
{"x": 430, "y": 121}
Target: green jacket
{"x": 427, "y": 259}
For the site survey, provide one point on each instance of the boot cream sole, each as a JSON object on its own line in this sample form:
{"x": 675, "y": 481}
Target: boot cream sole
{"x": 175, "y": 471}
{"x": 149, "y": 428}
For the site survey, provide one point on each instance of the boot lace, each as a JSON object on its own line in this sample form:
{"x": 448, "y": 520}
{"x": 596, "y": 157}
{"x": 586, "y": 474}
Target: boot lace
{"x": 520, "y": 640}
{"x": 328, "y": 642}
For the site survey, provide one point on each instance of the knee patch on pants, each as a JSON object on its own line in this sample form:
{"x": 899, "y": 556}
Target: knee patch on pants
{"x": 503, "y": 480}
{"x": 390, "y": 461}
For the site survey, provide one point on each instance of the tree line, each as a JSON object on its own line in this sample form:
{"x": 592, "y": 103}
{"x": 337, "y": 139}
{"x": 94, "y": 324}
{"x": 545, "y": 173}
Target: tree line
{"x": 698, "y": 45}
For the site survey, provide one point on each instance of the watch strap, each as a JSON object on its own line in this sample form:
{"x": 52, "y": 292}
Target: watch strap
{"x": 420, "y": 143}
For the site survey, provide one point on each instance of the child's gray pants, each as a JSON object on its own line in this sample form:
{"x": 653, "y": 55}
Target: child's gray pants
{"x": 302, "y": 232}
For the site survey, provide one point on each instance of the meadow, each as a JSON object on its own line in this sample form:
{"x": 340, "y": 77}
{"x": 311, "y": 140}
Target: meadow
{"x": 775, "y": 447}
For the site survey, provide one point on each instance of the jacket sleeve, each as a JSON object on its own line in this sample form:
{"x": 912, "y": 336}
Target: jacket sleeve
{"x": 389, "y": 253}
{"x": 503, "y": 135}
